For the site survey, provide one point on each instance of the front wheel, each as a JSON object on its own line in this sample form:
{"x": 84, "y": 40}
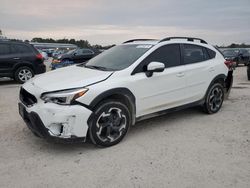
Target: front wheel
{"x": 214, "y": 99}
{"x": 23, "y": 74}
{"x": 110, "y": 123}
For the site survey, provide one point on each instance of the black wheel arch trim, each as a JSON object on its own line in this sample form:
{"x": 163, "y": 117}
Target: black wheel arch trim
{"x": 23, "y": 64}
{"x": 125, "y": 92}
{"x": 218, "y": 77}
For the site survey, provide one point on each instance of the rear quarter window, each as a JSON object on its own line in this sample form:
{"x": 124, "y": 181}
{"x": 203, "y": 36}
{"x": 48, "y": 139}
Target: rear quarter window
{"x": 211, "y": 53}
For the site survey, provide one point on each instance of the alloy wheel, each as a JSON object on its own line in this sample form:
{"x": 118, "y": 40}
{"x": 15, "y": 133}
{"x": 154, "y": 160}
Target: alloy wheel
{"x": 215, "y": 99}
{"x": 24, "y": 75}
{"x": 110, "y": 125}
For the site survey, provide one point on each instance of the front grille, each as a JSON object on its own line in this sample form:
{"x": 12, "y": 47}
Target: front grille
{"x": 27, "y": 98}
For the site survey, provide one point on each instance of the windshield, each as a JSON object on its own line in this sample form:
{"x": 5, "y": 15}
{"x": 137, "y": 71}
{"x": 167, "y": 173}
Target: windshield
{"x": 118, "y": 57}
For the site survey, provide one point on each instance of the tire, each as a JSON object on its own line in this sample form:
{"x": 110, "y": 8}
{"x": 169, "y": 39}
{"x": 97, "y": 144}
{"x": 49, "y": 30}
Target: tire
{"x": 110, "y": 123}
{"x": 248, "y": 72}
{"x": 214, "y": 98}
{"x": 23, "y": 74}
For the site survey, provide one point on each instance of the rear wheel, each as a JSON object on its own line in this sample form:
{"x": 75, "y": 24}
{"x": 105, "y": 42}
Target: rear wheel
{"x": 23, "y": 74}
{"x": 110, "y": 123}
{"x": 248, "y": 72}
{"x": 214, "y": 98}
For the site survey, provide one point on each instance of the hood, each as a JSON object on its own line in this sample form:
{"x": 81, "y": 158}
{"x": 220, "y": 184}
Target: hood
{"x": 68, "y": 77}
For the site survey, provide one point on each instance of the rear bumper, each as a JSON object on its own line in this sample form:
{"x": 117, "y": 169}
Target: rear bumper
{"x": 40, "y": 68}
{"x": 56, "y": 123}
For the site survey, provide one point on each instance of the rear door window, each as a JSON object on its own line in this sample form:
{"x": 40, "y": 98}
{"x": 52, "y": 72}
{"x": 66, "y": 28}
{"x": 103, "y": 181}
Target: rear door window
{"x": 19, "y": 48}
{"x": 193, "y": 54}
{"x": 4, "y": 49}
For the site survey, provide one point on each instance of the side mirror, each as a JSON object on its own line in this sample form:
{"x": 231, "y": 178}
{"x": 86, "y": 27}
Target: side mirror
{"x": 154, "y": 67}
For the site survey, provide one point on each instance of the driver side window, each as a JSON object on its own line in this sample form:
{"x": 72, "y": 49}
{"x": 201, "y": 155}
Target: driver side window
{"x": 169, "y": 55}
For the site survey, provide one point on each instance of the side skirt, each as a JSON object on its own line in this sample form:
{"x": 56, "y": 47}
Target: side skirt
{"x": 175, "y": 109}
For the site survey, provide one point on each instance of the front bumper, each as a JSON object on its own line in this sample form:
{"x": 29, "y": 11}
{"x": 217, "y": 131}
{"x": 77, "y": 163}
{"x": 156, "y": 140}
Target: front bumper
{"x": 56, "y": 122}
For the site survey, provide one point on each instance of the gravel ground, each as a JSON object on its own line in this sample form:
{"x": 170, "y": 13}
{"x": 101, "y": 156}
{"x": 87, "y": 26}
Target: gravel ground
{"x": 183, "y": 149}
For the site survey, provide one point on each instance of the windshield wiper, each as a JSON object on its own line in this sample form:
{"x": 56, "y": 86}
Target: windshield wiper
{"x": 97, "y": 67}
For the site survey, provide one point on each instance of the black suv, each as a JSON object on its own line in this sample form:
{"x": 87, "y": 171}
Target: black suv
{"x": 20, "y": 61}
{"x": 240, "y": 56}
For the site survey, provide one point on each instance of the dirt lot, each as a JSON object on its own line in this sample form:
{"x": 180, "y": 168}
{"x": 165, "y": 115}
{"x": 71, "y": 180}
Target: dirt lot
{"x": 183, "y": 149}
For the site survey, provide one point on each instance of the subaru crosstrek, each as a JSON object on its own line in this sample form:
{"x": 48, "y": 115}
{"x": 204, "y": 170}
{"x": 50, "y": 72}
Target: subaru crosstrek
{"x": 138, "y": 79}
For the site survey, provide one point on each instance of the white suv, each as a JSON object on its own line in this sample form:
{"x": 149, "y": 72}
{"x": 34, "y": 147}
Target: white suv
{"x": 138, "y": 79}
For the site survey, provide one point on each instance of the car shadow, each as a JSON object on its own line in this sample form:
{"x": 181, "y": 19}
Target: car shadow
{"x": 167, "y": 120}
{"x": 8, "y": 81}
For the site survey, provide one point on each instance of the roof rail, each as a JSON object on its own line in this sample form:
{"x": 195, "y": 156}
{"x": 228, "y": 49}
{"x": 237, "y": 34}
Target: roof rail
{"x": 188, "y": 39}
{"x": 133, "y": 40}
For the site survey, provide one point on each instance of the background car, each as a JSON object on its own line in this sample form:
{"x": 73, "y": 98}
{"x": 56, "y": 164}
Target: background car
{"x": 44, "y": 54}
{"x": 73, "y": 57}
{"x": 49, "y": 51}
{"x": 58, "y": 52}
{"x": 20, "y": 61}
{"x": 240, "y": 56}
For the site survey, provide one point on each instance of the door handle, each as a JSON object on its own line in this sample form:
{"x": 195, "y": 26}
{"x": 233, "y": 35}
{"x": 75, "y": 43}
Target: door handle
{"x": 180, "y": 74}
{"x": 16, "y": 58}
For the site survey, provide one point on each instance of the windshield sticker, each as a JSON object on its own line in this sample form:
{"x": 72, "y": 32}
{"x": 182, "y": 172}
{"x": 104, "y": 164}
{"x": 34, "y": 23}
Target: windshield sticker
{"x": 144, "y": 46}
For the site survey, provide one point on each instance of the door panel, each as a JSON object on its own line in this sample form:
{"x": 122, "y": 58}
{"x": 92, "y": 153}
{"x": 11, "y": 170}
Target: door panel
{"x": 7, "y": 60}
{"x": 199, "y": 70}
{"x": 161, "y": 91}
{"x": 197, "y": 76}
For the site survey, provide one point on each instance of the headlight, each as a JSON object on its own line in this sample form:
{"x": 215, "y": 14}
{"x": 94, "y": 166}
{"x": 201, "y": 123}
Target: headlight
{"x": 64, "y": 97}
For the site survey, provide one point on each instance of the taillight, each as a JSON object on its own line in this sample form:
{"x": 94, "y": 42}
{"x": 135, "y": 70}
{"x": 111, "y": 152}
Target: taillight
{"x": 229, "y": 63}
{"x": 39, "y": 56}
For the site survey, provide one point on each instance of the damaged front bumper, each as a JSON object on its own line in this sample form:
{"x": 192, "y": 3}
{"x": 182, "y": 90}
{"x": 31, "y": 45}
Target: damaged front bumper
{"x": 56, "y": 122}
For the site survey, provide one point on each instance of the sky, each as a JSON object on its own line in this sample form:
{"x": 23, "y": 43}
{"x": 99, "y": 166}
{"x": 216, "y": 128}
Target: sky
{"x": 104, "y": 22}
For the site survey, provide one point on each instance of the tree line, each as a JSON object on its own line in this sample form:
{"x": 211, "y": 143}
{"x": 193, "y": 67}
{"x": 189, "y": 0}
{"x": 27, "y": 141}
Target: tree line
{"x": 233, "y": 45}
{"x": 79, "y": 43}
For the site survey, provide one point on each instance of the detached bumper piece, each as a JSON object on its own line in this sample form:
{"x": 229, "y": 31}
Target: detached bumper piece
{"x": 35, "y": 124}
